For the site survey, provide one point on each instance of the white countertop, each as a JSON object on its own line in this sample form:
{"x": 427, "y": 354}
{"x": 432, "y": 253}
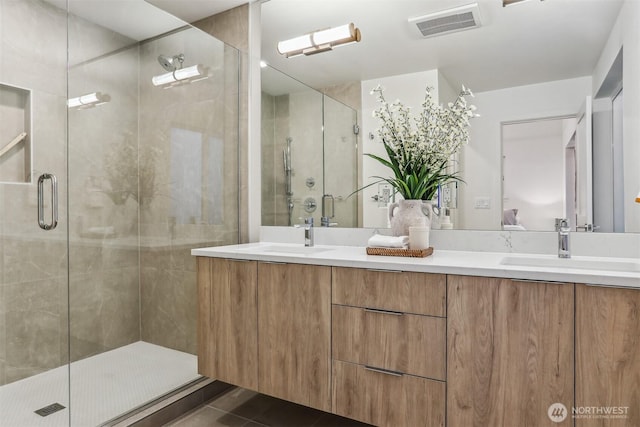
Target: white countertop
{"x": 619, "y": 272}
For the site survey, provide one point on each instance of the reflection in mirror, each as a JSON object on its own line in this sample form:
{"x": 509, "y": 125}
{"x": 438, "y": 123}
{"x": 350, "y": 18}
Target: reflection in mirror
{"x": 309, "y": 162}
{"x": 517, "y": 72}
{"x": 340, "y": 164}
{"x": 533, "y": 163}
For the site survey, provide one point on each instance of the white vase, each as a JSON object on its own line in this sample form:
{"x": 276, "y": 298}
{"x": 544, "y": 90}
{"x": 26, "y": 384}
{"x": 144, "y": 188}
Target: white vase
{"x": 405, "y": 214}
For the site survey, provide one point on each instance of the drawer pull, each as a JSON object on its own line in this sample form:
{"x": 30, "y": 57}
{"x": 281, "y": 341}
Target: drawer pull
{"x": 384, "y": 371}
{"x": 380, "y": 270}
{"x": 239, "y": 260}
{"x": 392, "y": 313}
{"x": 593, "y": 285}
{"x": 273, "y": 262}
{"x": 550, "y": 282}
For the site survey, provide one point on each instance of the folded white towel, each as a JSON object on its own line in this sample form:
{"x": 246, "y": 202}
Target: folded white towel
{"x": 380, "y": 241}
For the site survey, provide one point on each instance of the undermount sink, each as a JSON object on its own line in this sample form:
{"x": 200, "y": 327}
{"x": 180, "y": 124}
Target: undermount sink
{"x": 580, "y": 264}
{"x": 301, "y": 250}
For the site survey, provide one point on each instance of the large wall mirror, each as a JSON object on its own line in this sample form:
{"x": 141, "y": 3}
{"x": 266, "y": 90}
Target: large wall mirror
{"x": 555, "y": 82}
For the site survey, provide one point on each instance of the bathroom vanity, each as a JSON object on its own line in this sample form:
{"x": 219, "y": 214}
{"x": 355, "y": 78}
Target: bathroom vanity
{"x": 455, "y": 339}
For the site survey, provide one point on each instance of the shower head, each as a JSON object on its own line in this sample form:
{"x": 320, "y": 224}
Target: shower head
{"x": 171, "y": 63}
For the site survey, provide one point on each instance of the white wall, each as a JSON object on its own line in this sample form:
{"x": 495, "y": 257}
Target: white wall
{"x": 481, "y": 159}
{"x": 408, "y": 88}
{"x": 626, "y": 35}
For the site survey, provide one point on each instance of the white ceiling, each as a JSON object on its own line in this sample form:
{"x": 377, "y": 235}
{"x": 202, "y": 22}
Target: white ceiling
{"x": 525, "y": 43}
{"x": 529, "y": 42}
{"x": 143, "y": 19}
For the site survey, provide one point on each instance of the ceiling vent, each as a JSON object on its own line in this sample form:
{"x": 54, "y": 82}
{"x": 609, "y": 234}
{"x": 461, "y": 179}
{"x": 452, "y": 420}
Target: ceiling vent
{"x": 447, "y": 21}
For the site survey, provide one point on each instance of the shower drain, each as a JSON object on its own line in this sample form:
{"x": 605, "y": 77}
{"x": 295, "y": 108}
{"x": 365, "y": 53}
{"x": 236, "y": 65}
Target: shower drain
{"x": 49, "y": 409}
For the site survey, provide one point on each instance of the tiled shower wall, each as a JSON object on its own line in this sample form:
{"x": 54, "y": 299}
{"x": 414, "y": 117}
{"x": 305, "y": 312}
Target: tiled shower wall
{"x": 131, "y": 275}
{"x": 323, "y": 154}
{"x": 189, "y": 136}
{"x": 34, "y": 275}
{"x": 297, "y": 116}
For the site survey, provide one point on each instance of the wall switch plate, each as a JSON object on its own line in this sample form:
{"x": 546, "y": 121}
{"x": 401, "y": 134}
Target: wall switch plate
{"x": 482, "y": 203}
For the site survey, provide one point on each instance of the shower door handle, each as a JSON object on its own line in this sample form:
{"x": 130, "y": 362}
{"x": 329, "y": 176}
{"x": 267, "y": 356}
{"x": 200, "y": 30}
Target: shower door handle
{"x": 54, "y": 201}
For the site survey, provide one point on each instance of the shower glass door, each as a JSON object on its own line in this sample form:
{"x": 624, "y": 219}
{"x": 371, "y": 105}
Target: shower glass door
{"x": 33, "y": 242}
{"x": 113, "y": 166}
{"x": 153, "y": 173}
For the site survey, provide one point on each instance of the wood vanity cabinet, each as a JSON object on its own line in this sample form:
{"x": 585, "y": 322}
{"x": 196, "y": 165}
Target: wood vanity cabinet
{"x": 509, "y": 351}
{"x": 608, "y": 354}
{"x": 388, "y": 332}
{"x": 228, "y": 320}
{"x": 266, "y": 327}
{"x": 294, "y": 333}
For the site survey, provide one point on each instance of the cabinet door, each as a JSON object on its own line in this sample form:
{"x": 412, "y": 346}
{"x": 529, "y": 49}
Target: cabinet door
{"x": 608, "y": 355}
{"x": 294, "y": 333}
{"x": 227, "y": 321}
{"x": 509, "y": 352}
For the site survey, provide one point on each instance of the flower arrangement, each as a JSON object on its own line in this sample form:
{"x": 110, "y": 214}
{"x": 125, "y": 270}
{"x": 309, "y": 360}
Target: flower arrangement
{"x": 420, "y": 149}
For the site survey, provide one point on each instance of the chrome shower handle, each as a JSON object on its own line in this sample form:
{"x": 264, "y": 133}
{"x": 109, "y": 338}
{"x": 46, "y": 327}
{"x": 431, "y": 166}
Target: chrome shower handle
{"x": 54, "y": 201}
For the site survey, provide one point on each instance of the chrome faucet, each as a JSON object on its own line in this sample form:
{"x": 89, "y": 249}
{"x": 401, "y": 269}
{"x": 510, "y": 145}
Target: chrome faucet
{"x": 563, "y": 229}
{"x": 308, "y": 231}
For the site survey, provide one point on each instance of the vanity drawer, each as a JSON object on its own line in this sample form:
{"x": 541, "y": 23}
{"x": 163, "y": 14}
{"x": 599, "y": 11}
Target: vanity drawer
{"x": 407, "y": 292}
{"x": 407, "y": 343}
{"x": 386, "y": 399}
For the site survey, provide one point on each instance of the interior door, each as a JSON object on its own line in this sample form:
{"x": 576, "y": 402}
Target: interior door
{"x": 584, "y": 165}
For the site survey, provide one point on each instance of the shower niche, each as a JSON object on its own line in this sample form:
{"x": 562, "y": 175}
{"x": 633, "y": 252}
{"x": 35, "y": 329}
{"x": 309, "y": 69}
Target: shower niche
{"x": 15, "y": 134}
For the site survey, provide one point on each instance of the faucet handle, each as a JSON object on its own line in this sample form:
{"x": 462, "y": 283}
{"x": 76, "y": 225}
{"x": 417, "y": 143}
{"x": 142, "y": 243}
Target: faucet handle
{"x": 562, "y": 223}
{"x": 309, "y": 221}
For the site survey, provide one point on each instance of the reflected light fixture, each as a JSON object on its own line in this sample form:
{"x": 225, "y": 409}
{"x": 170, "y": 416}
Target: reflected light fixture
{"x": 188, "y": 74}
{"x": 320, "y": 41}
{"x": 638, "y": 198}
{"x": 89, "y": 100}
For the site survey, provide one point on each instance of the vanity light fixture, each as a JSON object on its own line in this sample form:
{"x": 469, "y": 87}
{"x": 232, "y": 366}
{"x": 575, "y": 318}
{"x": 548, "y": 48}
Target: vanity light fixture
{"x": 320, "y": 41}
{"x": 189, "y": 74}
{"x": 638, "y": 198}
{"x": 89, "y": 100}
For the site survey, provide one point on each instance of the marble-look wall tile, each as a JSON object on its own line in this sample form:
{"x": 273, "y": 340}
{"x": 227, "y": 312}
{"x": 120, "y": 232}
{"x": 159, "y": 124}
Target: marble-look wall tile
{"x": 191, "y": 204}
{"x": 33, "y": 262}
{"x": 32, "y": 336}
{"x": 349, "y": 94}
{"x": 103, "y": 191}
{"x": 3, "y": 340}
{"x": 169, "y": 307}
{"x": 231, "y": 26}
{"x": 105, "y": 284}
{"x": 33, "y": 42}
{"x": 104, "y": 311}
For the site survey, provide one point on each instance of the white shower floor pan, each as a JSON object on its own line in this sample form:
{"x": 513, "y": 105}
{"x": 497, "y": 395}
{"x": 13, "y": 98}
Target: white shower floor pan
{"x": 102, "y": 386}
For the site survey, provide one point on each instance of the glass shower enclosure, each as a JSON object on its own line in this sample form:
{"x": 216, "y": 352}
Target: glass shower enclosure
{"x": 118, "y": 154}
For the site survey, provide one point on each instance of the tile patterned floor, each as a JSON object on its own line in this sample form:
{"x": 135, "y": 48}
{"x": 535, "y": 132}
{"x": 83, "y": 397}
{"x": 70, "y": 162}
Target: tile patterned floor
{"x": 243, "y": 408}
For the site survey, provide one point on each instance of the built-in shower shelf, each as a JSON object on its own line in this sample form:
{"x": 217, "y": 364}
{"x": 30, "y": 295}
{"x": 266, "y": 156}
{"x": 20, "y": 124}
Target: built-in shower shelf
{"x": 15, "y": 134}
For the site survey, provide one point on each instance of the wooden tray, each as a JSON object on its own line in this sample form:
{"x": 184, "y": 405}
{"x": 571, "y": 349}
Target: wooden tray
{"x": 414, "y": 253}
